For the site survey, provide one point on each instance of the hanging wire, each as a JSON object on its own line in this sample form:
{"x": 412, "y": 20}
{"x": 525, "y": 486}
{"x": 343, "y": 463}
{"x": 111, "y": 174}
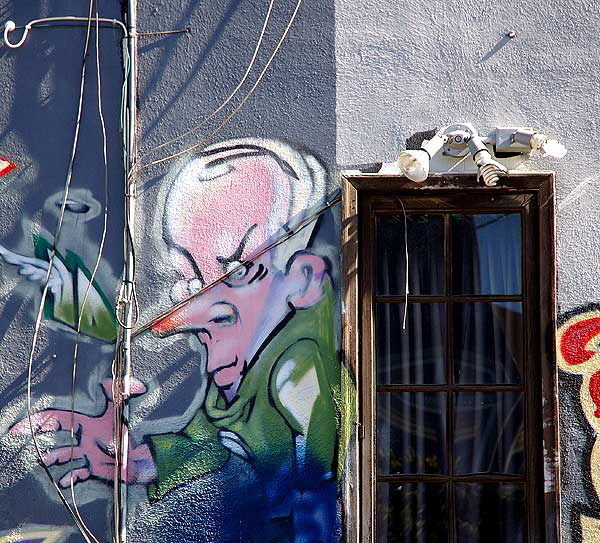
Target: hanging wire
{"x": 96, "y": 265}
{"x": 70, "y": 22}
{"x": 81, "y": 526}
{"x": 240, "y": 105}
{"x": 406, "y": 269}
{"x": 51, "y": 22}
{"x": 121, "y": 300}
{"x": 276, "y": 242}
{"x": 186, "y": 30}
{"x": 130, "y": 189}
{"x": 233, "y": 93}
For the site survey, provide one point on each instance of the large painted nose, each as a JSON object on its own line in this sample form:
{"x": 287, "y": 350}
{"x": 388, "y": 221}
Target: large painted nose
{"x": 190, "y": 316}
{"x": 205, "y": 313}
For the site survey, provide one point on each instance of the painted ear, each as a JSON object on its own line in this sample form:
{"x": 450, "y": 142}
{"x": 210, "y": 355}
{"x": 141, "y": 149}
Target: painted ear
{"x": 306, "y": 277}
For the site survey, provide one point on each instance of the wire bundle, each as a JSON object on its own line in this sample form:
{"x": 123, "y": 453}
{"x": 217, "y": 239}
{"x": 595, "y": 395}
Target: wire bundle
{"x": 72, "y": 510}
{"x": 243, "y": 101}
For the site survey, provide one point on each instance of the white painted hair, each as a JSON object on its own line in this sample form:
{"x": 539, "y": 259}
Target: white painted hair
{"x": 308, "y": 181}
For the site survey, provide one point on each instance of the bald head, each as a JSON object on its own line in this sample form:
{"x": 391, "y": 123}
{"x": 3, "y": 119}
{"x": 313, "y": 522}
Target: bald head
{"x": 227, "y": 202}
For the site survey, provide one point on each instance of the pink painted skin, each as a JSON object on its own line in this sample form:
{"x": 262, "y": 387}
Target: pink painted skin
{"x": 232, "y": 317}
{"x": 225, "y": 319}
{"x": 247, "y": 198}
{"x": 95, "y": 444}
{"x": 233, "y": 212}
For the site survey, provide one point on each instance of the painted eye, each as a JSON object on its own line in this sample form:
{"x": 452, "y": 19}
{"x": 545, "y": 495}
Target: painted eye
{"x": 241, "y": 270}
{"x": 223, "y": 314}
{"x": 224, "y": 319}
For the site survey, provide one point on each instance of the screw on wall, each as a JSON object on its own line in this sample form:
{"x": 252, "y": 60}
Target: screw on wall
{"x": 506, "y": 37}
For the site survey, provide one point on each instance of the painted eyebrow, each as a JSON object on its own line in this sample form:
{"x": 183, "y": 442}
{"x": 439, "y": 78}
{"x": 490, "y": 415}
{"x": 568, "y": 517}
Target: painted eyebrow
{"x": 260, "y": 273}
{"x": 237, "y": 254}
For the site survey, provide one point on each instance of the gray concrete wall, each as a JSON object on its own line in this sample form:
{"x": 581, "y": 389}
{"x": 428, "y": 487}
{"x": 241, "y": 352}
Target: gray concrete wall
{"x": 404, "y": 67}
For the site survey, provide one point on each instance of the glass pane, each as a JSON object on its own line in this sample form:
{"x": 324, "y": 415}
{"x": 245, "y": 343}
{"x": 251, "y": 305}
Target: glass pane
{"x": 411, "y": 432}
{"x": 490, "y": 512}
{"x": 486, "y": 254}
{"x": 425, "y": 254}
{"x": 488, "y": 433}
{"x": 415, "y": 354}
{"x": 412, "y": 513}
{"x": 488, "y": 342}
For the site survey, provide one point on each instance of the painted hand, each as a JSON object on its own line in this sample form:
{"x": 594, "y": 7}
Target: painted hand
{"x": 93, "y": 450}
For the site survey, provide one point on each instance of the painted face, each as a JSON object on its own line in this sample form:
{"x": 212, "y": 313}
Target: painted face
{"x": 216, "y": 215}
{"x": 231, "y": 320}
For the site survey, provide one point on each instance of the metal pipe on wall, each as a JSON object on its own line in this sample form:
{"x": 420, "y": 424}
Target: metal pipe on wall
{"x": 126, "y": 302}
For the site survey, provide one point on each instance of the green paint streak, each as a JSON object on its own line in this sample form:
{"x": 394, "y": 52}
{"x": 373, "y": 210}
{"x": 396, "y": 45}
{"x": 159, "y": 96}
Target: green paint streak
{"x": 99, "y": 318}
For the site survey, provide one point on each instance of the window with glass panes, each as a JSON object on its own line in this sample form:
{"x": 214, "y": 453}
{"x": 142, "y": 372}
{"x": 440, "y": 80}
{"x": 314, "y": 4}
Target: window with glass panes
{"x": 453, "y": 448}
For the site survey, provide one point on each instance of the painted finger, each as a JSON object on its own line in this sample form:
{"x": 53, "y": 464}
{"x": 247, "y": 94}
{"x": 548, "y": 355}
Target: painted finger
{"x": 79, "y": 474}
{"x": 45, "y": 421}
{"x": 62, "y": 455}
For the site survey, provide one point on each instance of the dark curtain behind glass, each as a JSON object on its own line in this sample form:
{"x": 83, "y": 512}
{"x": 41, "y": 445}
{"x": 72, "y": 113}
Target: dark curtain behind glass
{"x": 486, "y": 349}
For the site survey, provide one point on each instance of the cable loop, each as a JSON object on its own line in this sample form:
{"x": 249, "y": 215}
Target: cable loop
{"x": 9, "y": 27}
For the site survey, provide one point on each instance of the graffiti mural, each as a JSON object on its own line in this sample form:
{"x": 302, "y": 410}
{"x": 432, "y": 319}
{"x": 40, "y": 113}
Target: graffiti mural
{"x": 252, "y": 233}
{"x": 69, "y": 280}
{"x": 578, "y": 352}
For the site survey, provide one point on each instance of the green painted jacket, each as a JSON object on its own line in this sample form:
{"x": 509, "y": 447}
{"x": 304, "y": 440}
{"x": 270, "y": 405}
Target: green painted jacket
{"x": 296, "y": 388}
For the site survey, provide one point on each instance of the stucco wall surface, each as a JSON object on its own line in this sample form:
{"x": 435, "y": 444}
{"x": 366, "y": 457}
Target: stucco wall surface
{"x": 404, "y": 67}
{"x": 255, "y": 198}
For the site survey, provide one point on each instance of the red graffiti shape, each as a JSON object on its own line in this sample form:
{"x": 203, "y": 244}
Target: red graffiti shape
{"x": 6, "y": 166}
{"x": 574, "y": 341}
{"x": 595, "y": 392}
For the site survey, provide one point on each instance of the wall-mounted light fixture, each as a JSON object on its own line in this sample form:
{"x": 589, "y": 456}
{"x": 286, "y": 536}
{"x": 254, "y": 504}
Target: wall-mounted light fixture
{"x": 508, "y": 139}
{"x": 415, "y": 163}
{"x": 489, "y": 170}
{"x": 458, "y": 140}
